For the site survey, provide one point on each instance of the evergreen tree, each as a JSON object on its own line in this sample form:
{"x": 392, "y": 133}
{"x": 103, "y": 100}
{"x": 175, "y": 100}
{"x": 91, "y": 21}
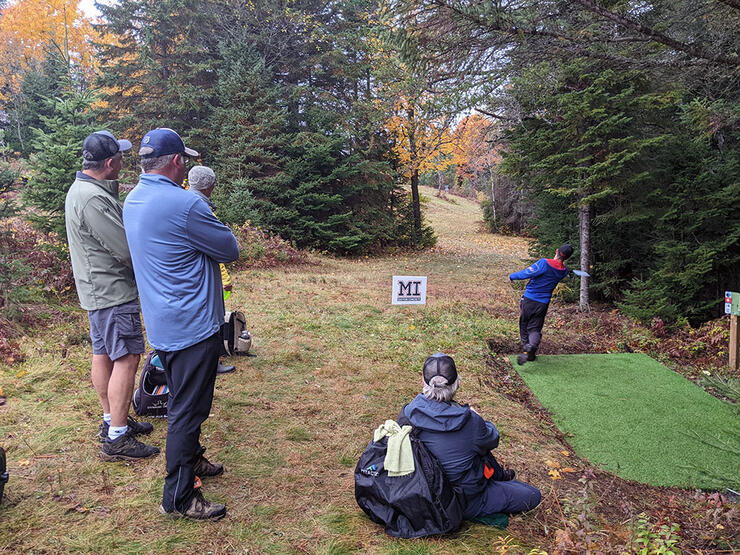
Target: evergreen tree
{"x": 56, "y": 158}
{"x": 25, "y": 109}
{"x": 157, "y": 66}
{"x": 300, "y": 128}
{"x": 580, "y": 141}
{"x": 695, "y": 214}
{"x": 250, "y": 119}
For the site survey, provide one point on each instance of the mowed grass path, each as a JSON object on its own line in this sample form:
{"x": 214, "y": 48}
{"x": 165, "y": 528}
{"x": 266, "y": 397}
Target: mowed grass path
{"x": 334, "y": 360}
{"x": 633, "y": 416}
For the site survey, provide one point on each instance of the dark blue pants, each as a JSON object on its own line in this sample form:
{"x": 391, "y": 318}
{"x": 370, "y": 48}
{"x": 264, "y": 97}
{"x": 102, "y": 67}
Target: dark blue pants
{"x": 531, "y": 320}
{"x": 509, "y": 497}
{"x": 191, "y": 376}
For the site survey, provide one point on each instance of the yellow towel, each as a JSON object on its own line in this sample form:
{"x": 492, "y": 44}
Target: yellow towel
{"x": 399, "y": 458}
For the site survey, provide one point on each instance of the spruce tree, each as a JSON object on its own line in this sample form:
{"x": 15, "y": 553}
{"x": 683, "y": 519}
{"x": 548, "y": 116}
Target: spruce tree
{"x": 56, "y": 157}
{"x": 250, "y": 119}
{"x": 695, "y": 215}
{"x": 301, "y": 128}
{"x": 580, "y": 141}
{"x": 157, "y": 66}
{"x": 45, "y": 80}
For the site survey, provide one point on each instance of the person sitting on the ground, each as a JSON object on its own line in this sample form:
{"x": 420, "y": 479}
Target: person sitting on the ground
{"x": 202, "y": 181}
{"x": 462, "y": 440}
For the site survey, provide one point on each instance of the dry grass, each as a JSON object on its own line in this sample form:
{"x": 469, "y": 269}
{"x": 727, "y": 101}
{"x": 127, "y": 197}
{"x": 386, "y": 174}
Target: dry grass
{"x": 334, "y": 359}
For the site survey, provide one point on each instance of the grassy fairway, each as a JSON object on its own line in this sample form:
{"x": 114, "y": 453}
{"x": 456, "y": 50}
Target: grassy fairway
{"x": 633, "y": 416}
{"x": 335, "y": 359}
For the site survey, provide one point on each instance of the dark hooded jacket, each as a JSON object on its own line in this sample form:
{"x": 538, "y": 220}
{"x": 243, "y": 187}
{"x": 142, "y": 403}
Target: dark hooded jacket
{"x": 460, "y": 439}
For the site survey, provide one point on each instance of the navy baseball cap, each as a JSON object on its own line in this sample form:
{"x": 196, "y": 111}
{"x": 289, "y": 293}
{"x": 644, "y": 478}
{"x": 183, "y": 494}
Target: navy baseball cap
{"x": 101, "y": 145}
{"x": 440, "y": 364}
{"x": 161, "y": 142}
{"x": 565, "y": 251}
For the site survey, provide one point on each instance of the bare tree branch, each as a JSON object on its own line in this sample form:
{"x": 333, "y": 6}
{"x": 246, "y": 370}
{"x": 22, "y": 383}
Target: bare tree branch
{"x": 732, "y": 3}
{"x": 691, "y": 49}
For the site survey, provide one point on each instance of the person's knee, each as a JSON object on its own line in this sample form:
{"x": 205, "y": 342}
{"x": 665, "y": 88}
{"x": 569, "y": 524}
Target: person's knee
{"x": 533, "y": 498}
{"x": 128, "y": 363}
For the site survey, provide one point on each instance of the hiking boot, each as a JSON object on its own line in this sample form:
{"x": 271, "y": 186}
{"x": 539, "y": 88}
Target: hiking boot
{"x": 521, "y": 359}
{"x": 531, "y": 356}
{"x": 126, "y": 448}
{"x": 199, "y": 509}
{"x": 205, "y": 468}
{"x": 135, "y": 427}
{"x": 225, "y": 368}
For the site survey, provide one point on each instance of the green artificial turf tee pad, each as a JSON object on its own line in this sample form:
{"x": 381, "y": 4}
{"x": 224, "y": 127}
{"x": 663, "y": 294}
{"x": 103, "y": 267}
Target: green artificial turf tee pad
{"x": 629, "y": 414}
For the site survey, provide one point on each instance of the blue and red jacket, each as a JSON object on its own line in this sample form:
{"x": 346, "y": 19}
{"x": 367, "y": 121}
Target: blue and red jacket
{"x": 543, "y": 276}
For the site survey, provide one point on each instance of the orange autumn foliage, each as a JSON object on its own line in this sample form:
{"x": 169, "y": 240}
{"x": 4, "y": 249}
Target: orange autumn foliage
{"x": 28, "y": 28}
{"x": 474, "y": 148}
{"x": 420, "y": 144}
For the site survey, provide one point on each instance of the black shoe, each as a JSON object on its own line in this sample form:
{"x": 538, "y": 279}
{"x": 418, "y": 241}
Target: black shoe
{"x": 126, "y": 448}
{"x": 508, "y": 474}
{"x": 204, "y": 468}
{"x": 521, "y": 359}
{"x": 199, "y": 509}
{"x": 531, "y": 356}
{"x": 224, "y": 369}
{"x": 134, "y": 427}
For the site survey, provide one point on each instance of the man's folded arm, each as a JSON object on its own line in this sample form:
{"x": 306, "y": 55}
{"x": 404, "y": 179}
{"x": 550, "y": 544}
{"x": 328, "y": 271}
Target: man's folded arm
{"x": 208, "y": 235}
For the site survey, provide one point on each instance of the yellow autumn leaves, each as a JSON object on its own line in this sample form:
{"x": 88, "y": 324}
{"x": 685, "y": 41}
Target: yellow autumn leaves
{"x": 556, "y": 469}
{"x": 29, "y": 28}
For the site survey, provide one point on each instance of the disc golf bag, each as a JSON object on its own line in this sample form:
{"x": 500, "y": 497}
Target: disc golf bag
{"x": 150, "y": 398}
{"x": 237, "y": 340}
{"x": 3, "y": 473}
{"x": 418, "y": 504}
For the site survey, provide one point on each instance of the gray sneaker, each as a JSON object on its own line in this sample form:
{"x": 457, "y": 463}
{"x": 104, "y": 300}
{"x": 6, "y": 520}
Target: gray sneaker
{"x": 204, "y": 468}
{"x": 126, "y": 448}
{"x": 199, "y": 509}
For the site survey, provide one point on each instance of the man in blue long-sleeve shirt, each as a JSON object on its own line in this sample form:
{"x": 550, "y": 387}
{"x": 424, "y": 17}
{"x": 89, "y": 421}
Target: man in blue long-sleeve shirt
{"x": 543, "y": 276}
{"x": 176, "y": 244}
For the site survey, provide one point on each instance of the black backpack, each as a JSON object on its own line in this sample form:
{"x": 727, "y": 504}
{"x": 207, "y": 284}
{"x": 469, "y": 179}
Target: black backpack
{"x": 3, "y": 473}
{"x": 150, "y": 398}
{"x": 422, "y": 503}
{"x": 237, "y": 339}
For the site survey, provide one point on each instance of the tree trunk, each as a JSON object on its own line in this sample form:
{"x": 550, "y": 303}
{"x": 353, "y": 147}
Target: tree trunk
{"x": 417, "y": 205}
{"x": 439, "y": 181}
{"x": 415, "y": 199}
{"x": 493, "y": 200}
{"x": 584, "y": 228}
{"x": 18, "y": 129}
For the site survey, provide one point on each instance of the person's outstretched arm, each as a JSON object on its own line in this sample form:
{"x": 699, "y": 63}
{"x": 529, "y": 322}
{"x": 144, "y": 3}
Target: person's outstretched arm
{"x": 536, "y": 269}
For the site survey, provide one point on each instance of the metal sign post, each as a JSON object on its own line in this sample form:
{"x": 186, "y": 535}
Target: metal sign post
{"x": 732, "y": 307}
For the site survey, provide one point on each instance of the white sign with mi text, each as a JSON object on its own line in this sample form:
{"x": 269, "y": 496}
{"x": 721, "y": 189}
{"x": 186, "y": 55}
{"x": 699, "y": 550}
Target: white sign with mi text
{"x": 409, "y": 290}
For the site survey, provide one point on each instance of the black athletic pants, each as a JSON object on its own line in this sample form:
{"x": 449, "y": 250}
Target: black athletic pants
{"x": 531, "y": 320}
{"x": 191, "y": 376}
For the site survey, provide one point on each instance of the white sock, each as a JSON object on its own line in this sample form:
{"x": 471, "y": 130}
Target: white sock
{"x": 106, "y": 418}
{"x": 114, "y": 432}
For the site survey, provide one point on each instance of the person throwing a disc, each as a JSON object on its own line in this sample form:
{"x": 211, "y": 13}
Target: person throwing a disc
{"x": 543, "y": 276}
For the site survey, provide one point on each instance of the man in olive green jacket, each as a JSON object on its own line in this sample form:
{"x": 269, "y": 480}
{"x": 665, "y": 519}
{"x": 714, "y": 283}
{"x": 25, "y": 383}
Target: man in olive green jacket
{"x": 104, "y": 278}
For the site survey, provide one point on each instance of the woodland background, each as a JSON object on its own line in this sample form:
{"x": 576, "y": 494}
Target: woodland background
{"x": 610, "y": 124}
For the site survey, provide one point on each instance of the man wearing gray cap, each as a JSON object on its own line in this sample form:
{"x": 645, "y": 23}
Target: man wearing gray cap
{"x": 202, "y": 181}
{"x": 104, "y": 278}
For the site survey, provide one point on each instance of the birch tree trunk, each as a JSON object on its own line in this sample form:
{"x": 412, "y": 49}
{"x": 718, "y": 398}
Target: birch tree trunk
{"x": 584, "y": 228}
{"x": 493, "y": 199}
